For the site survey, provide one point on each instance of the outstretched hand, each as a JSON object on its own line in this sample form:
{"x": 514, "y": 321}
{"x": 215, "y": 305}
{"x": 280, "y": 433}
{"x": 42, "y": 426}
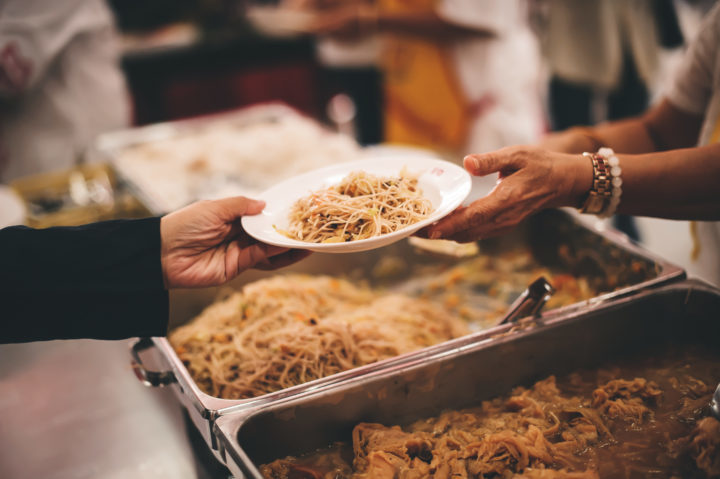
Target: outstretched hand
{"x": 204, "y": 244}
{"x": 530, "y": 179}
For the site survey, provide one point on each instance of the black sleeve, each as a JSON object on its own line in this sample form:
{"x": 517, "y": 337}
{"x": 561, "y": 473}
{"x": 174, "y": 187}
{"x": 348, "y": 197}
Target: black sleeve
{"x": 102, "y": 281}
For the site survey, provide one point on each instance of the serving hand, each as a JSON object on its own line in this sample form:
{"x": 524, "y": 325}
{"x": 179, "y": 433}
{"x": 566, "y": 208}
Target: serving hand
{"x": 530, "y": 179}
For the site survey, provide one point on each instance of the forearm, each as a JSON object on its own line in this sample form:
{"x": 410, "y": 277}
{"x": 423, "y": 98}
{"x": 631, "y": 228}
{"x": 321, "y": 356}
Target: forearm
{"x": 423, "y": 24}
{"x": 664, "y": 127}
{"x": 674, "y": 184}
{"x": 122, "y": 255}
{"x": 42, "y": 315}
{"x": 628, "y": 136}
{"x": 100, "y": 281}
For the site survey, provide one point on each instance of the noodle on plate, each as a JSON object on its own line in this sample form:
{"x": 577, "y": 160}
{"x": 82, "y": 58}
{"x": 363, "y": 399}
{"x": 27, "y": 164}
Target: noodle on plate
{"x": 362, "y": 206}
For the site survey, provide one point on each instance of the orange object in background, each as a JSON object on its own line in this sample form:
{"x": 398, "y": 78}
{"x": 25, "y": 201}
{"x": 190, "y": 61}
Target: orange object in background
{"x": 424, "y": 102}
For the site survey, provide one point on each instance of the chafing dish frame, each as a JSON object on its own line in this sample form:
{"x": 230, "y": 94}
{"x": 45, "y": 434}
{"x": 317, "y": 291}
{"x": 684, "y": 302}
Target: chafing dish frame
{"x": 204, "y": 409}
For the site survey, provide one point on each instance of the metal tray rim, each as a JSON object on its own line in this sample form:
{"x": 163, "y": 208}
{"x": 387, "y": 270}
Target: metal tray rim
{"x": 211, "y": 408}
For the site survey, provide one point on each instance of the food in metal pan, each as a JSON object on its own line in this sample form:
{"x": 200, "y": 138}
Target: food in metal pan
{"x": 634, "y": 419}
{"x": 226, "y": 157}
{"x": 361, "y": 206}
{"x": 288, "y": 330}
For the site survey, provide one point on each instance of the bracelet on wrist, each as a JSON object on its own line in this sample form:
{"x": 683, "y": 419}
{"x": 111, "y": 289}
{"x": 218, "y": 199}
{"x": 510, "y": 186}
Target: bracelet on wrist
{"x": 604, "y": 195}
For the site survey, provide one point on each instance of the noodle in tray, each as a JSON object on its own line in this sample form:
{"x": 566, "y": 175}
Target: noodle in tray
{"x": 287, "y": 330}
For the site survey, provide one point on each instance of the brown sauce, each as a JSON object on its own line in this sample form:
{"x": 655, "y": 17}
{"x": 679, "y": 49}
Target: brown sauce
{"x": 635, "y": 418}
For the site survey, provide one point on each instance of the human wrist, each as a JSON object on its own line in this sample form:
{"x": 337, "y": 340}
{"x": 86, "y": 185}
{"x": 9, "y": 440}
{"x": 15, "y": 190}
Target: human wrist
{"x": 578, "y": 175}
{"x": 584, "y": 139}
{"x": 573, "y": 140}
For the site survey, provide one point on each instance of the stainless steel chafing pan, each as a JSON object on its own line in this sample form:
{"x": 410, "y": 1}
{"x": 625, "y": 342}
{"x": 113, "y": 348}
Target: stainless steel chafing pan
{"x": 674, "y": 314}
{"x": 555, "y": 238}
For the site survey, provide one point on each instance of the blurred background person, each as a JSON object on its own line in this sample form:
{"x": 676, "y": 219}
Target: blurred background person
{"x": 604, "y": 56}
{"x": 60, "y": 83}
{"x": 458, "y": 76}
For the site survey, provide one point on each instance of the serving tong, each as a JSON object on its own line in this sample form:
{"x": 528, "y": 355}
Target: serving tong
{"x": 530, "y": 302}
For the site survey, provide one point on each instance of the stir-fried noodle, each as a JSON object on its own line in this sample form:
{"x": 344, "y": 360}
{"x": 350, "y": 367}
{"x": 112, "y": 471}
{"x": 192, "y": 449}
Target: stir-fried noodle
{"x": 361, "y": 206}
{"x": 288, "y": 330}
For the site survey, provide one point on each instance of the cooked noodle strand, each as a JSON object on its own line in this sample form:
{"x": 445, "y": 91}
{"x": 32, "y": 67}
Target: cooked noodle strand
{"x": 361, "y": 206}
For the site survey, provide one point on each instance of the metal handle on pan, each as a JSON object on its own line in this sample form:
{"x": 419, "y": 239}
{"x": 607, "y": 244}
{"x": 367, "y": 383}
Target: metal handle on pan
{"x": 147, "y": 377}
{"x": 530, "y": 302}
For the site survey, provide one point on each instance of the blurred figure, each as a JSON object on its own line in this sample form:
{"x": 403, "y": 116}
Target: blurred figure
{"x": 604, "y": 56}
{"x": 459, "y": 75}
{"x": 60, "y": 83}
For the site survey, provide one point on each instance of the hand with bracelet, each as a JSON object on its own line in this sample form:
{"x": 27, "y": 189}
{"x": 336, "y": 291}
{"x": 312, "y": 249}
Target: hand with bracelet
{"x": 661, "y": 175}
{"x": 668, "y": 161}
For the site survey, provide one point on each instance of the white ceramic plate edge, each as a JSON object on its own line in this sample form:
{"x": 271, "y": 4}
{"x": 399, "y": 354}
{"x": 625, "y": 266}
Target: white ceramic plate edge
{"x": 257, "y": 225}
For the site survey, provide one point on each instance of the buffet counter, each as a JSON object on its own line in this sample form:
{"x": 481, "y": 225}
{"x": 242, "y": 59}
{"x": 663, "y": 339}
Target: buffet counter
{"x": 73, "y": 409}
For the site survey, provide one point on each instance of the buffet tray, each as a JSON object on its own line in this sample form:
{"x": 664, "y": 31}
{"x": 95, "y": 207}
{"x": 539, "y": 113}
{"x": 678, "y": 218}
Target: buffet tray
{"x": 109, "y": 147}
{"x": 592, "y": 252}
{"x": 683, "y": 313}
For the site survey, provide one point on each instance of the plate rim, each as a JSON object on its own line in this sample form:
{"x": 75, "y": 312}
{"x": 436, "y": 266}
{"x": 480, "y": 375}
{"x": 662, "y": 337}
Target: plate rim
{"x": 366, "y": 243}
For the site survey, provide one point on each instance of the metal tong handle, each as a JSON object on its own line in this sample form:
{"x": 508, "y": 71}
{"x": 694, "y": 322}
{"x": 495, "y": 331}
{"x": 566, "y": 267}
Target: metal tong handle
{"x": 715, "y": 404}
{"x": 530, "y": 302}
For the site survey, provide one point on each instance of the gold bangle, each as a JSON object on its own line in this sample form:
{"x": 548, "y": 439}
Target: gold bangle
{"x": 601, "y": 190}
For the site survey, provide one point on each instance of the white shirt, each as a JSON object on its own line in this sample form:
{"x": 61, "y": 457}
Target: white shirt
{"x": 584, "y": 41}
{"x": 71, "y": 90}
{"x": 696, "y": 89}
{"x": 501, "y": 75}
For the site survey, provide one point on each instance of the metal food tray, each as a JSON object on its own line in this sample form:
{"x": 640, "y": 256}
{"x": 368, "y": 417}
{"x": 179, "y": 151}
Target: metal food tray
{"x": 683, "y": 313}
{"x": 544, "y": 234}
{"x": 109, "y": 145}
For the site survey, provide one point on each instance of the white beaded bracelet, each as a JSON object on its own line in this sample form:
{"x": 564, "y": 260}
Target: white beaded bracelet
{"x": 616, "y": 175}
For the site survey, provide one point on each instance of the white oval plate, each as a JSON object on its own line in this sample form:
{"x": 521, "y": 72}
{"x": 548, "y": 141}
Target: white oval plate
{"x": 445, "y": 184}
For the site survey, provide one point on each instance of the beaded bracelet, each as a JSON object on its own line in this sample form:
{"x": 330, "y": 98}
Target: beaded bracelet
{"x": 616, "y": 179}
